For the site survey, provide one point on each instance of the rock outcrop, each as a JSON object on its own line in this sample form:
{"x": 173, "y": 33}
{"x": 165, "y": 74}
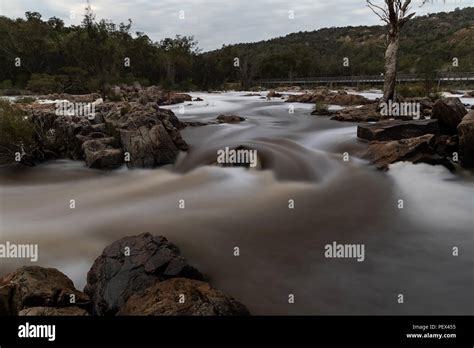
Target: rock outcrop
{"x": 32, "y": 287}
{"x": 395, "y": 130}
{"x": 466, "y": 140}
{"x": 138, "y": 135}
{"x": 132, "y": 264}
{"x": 180, "y": 296}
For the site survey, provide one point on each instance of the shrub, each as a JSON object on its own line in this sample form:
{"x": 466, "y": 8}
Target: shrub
{"x": 16, "y": 132}
{"x": 42, "y": 83}
{"x": 25, "y": 100}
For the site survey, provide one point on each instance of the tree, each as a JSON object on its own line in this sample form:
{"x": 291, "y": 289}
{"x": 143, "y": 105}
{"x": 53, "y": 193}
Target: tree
{"x": 395, "y": 14}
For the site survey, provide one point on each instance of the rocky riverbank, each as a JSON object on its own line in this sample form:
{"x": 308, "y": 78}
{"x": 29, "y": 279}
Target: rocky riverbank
{"x": 139, "y": 275}
{"x": 442, "y": 133}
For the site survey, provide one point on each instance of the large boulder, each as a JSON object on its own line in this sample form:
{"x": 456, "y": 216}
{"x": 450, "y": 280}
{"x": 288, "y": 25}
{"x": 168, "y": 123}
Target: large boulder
{"x": 415, "y": 150}
{"x": 132, "y": 264}
{"x": 35, "y": 286}
{"x": 466, "y": 139}
{"x": 395, "y": 130}
{"x": 180, "y": 296}
{"x": 449, "y": 112}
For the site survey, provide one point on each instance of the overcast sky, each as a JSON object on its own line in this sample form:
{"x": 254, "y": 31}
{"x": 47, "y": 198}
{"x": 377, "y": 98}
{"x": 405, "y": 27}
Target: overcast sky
{"x": 217, "y": 22}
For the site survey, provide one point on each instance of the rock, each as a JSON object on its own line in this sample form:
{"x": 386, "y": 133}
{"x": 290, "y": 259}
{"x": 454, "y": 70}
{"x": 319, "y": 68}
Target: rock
{"x": 101, "y": 154}
{"x": 446, "y": 145}
{"x": 395, "y": 130}
{"x": 449, "y": 112}
{"x": 53, "y": 311}
{"x": 35, "y": 286}
{"x": 466, "y": 140}
{"x": 330, "y": 98}
{"x": 116, "y": 275}
{"x": 469, "y": 94}
{"x": 273, "y": 94}
{"x": 365, "y": 113}
{"x": 198, "y": 123}
{"x": 148, "y": 133}
{"x": 229, "y": 119}
{"x": 347, "y": 99}
{"x": 251, "y": 95}
{"x": 163, "y": 298}
{"x": 197, "y": 99}
{"x": 415, "y": 150}
{"x": 322, "y": 110}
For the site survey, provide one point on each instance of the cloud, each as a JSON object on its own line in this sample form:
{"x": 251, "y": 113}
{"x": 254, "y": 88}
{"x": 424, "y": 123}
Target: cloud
{"x": 217, "y": 22}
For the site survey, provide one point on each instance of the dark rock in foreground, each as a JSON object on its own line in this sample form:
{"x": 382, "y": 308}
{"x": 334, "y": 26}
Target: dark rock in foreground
{"x": 449, "y": 112}
{"x": 466, "y": 139}
{"x": 415, "y": 150}
{"x": 180, "y": 296}
{"x": 132, "y": 264}
{"x": 33, "y": 286}
{"x": 395, "y": 130}
{"x": 54, "y": 311}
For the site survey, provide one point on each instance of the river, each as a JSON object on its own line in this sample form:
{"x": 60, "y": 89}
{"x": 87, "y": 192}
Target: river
{"x": 408, "y": 251}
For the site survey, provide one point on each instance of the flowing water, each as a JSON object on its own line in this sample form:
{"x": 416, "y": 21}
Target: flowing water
{"x": 408, "y": 251}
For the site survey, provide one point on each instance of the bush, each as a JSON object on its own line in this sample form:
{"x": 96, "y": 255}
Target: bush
{"x": 16, "y": 132}
{"x": 25, "y": 100}
{"x": 42, "y": 83}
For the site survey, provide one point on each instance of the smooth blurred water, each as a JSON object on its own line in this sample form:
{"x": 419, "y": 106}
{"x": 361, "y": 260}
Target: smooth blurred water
{"x": 408, "y": 251}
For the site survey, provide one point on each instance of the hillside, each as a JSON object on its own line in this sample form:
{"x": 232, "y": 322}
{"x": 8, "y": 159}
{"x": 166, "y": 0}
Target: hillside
{"x": 94, "y": 55}
{"x": 428, "y": 43}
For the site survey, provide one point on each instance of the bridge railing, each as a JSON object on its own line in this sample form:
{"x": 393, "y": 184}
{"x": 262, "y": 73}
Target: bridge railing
{"x": 443, "y": 76}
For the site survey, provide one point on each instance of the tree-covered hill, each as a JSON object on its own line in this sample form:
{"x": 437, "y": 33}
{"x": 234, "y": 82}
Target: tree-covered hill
{"x": 93, "y": 55}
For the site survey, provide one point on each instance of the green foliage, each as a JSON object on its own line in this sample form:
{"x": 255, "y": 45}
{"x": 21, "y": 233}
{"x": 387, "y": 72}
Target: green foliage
{"x": 25, "y": 100}
{"x": 16, "y": 132}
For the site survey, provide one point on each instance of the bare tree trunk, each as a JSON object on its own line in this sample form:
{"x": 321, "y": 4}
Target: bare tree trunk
{"x": 391, "y": 54}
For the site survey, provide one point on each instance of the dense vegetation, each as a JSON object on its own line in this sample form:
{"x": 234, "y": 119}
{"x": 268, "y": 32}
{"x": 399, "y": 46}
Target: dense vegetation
{"x": 95, "y": 54}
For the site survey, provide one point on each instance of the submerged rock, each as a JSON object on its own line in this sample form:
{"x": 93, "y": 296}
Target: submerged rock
{"x": 132, "y": 264}
{"x": 180, "y": 296}
{"x": 229, "y": 119}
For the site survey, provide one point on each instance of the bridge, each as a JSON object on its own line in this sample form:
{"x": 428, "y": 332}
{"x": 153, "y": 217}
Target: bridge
{"x": 440, "y": 77}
